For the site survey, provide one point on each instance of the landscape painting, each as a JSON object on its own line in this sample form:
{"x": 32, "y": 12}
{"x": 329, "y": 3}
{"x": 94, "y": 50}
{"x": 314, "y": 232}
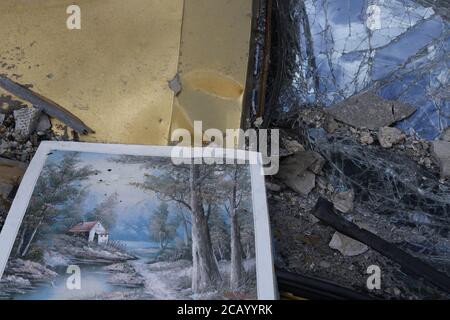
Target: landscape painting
{"x": 116, "y": 227}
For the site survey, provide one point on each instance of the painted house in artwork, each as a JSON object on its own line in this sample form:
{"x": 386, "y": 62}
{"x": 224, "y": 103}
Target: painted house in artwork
{"x": 93, "y": 231}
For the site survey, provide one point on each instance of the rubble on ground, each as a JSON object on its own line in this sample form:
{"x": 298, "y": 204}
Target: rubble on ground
{"x": 299, "y": 171}
{"x": 370, "y": 185}
{"x": 388, "y": 136}
{"x": 446, "y": 135}
{"x": 441, "y": 152}
{"x": 347, "y": 246}
{"x": 370, "y": 111}
{"x": 26, "y": 120}
{"x": 21, "y": 131}
{"x": 343, "y": 201}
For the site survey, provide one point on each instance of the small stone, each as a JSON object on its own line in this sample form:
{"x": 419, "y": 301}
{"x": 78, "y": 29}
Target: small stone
{"x": 317, "y": 166}
{"x": 324, "y": 264}
{"x": 446, "y": 135}
{"x": 273, "y": 187}
{"x": 331, "y": 125}
{"x": 293, "y": 146}
{"x": 427, "y": 162}
{"x": 258, "y": 122}
{"x": 312, "y": 219}
{"x": 175, "y": 85}
{"x": 26, "y": 120}
{"x": 322, "y": 183}
{"x": 347, "y": 246}
{"x": 303, "y": 184}
{"x": 390, "y": 136}
{"x": 441, "y": 152}
{"x": 43, "y": 124}
{"x": 366, "y": 138}
{"x": 297, "y": 164}
{"x": 343, "y": 201}
{"x": 2, "y": 118}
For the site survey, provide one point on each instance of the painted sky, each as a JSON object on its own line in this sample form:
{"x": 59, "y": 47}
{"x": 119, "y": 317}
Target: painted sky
{"x": 135, "y": 204}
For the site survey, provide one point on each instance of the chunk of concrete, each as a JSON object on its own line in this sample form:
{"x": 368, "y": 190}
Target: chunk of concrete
{"x": 44, "y": 123}
{"x": 298, "y": 163}
{"x": 26, "y": 120}
{"x": 388, "y": 137}
{"x": 446, "y": 135}
{"x": 343, "y": 201}
{"x": 293, "y": 146}
{"x": 297, "y": 171}
{"x": 441, "y": 152}
{"x": 367, "y": 110}
{"x": 366, "y": 138}
{"x": 347, "y": 246}
{"x": 302, "y": 184}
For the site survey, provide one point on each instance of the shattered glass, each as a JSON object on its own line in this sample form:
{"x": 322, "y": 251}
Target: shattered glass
{"x": 399, "y": 49}
{"x": 413, "y": 201}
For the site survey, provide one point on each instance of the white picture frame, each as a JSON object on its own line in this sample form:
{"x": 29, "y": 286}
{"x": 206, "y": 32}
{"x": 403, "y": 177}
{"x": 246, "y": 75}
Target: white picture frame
{"x": 265, "y": 274}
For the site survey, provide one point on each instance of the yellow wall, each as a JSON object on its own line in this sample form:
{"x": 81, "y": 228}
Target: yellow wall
{"x": 113, "y": 73}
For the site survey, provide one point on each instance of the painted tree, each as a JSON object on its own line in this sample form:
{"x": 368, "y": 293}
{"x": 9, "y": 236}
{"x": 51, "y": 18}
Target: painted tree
{"x": 58, "y": 184}
{"x": 162, "y": 229}
{"x": 105, "y": 211}
{"x": 193, "y": 187}
{"x": 246, "y": 224}
{"x": 237, "y": 188}
{"x": 220, "y": 234}
{"x": 69, "y": 214}
{"x": 184, "y": 216}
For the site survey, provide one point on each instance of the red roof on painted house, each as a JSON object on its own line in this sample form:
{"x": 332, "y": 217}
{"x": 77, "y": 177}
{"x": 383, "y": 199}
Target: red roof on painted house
{"x": 84, "y": 226}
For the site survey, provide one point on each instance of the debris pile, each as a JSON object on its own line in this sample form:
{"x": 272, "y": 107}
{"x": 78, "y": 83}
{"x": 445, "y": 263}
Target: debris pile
{"x": 377, "y": 177}
{"x": 21, "y": 131}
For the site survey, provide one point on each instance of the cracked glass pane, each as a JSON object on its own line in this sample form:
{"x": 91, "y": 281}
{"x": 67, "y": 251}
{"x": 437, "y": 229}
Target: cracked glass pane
{"x": 399, "y": 49}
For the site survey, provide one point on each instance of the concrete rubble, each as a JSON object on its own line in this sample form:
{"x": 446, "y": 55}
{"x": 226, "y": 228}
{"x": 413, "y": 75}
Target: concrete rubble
{"x": 26, "y": 120}
{"x": 370, "y": 111}
{"x": 304, "y": 243}
{"x": 343, "y": 201}
{"x": 366, "y": 138}
{"x": 388, "y": 137}
{"x": 446, "y": 135}
{"x": 441, "y": 152}
{"x": 21, "y": 132}
{"x": 43, "y": 124}
{"x": 347, "y": 246}
{"x": 299, "y": 171}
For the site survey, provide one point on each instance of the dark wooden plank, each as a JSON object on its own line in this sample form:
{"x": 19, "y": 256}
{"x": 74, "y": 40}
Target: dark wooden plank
{"x": 315, "y": 289}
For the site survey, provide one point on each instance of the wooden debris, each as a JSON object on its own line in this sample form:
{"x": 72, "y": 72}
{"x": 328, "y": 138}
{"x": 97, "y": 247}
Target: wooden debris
{"x": 49, "y": 107}
{"x": 324, "y": 211}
